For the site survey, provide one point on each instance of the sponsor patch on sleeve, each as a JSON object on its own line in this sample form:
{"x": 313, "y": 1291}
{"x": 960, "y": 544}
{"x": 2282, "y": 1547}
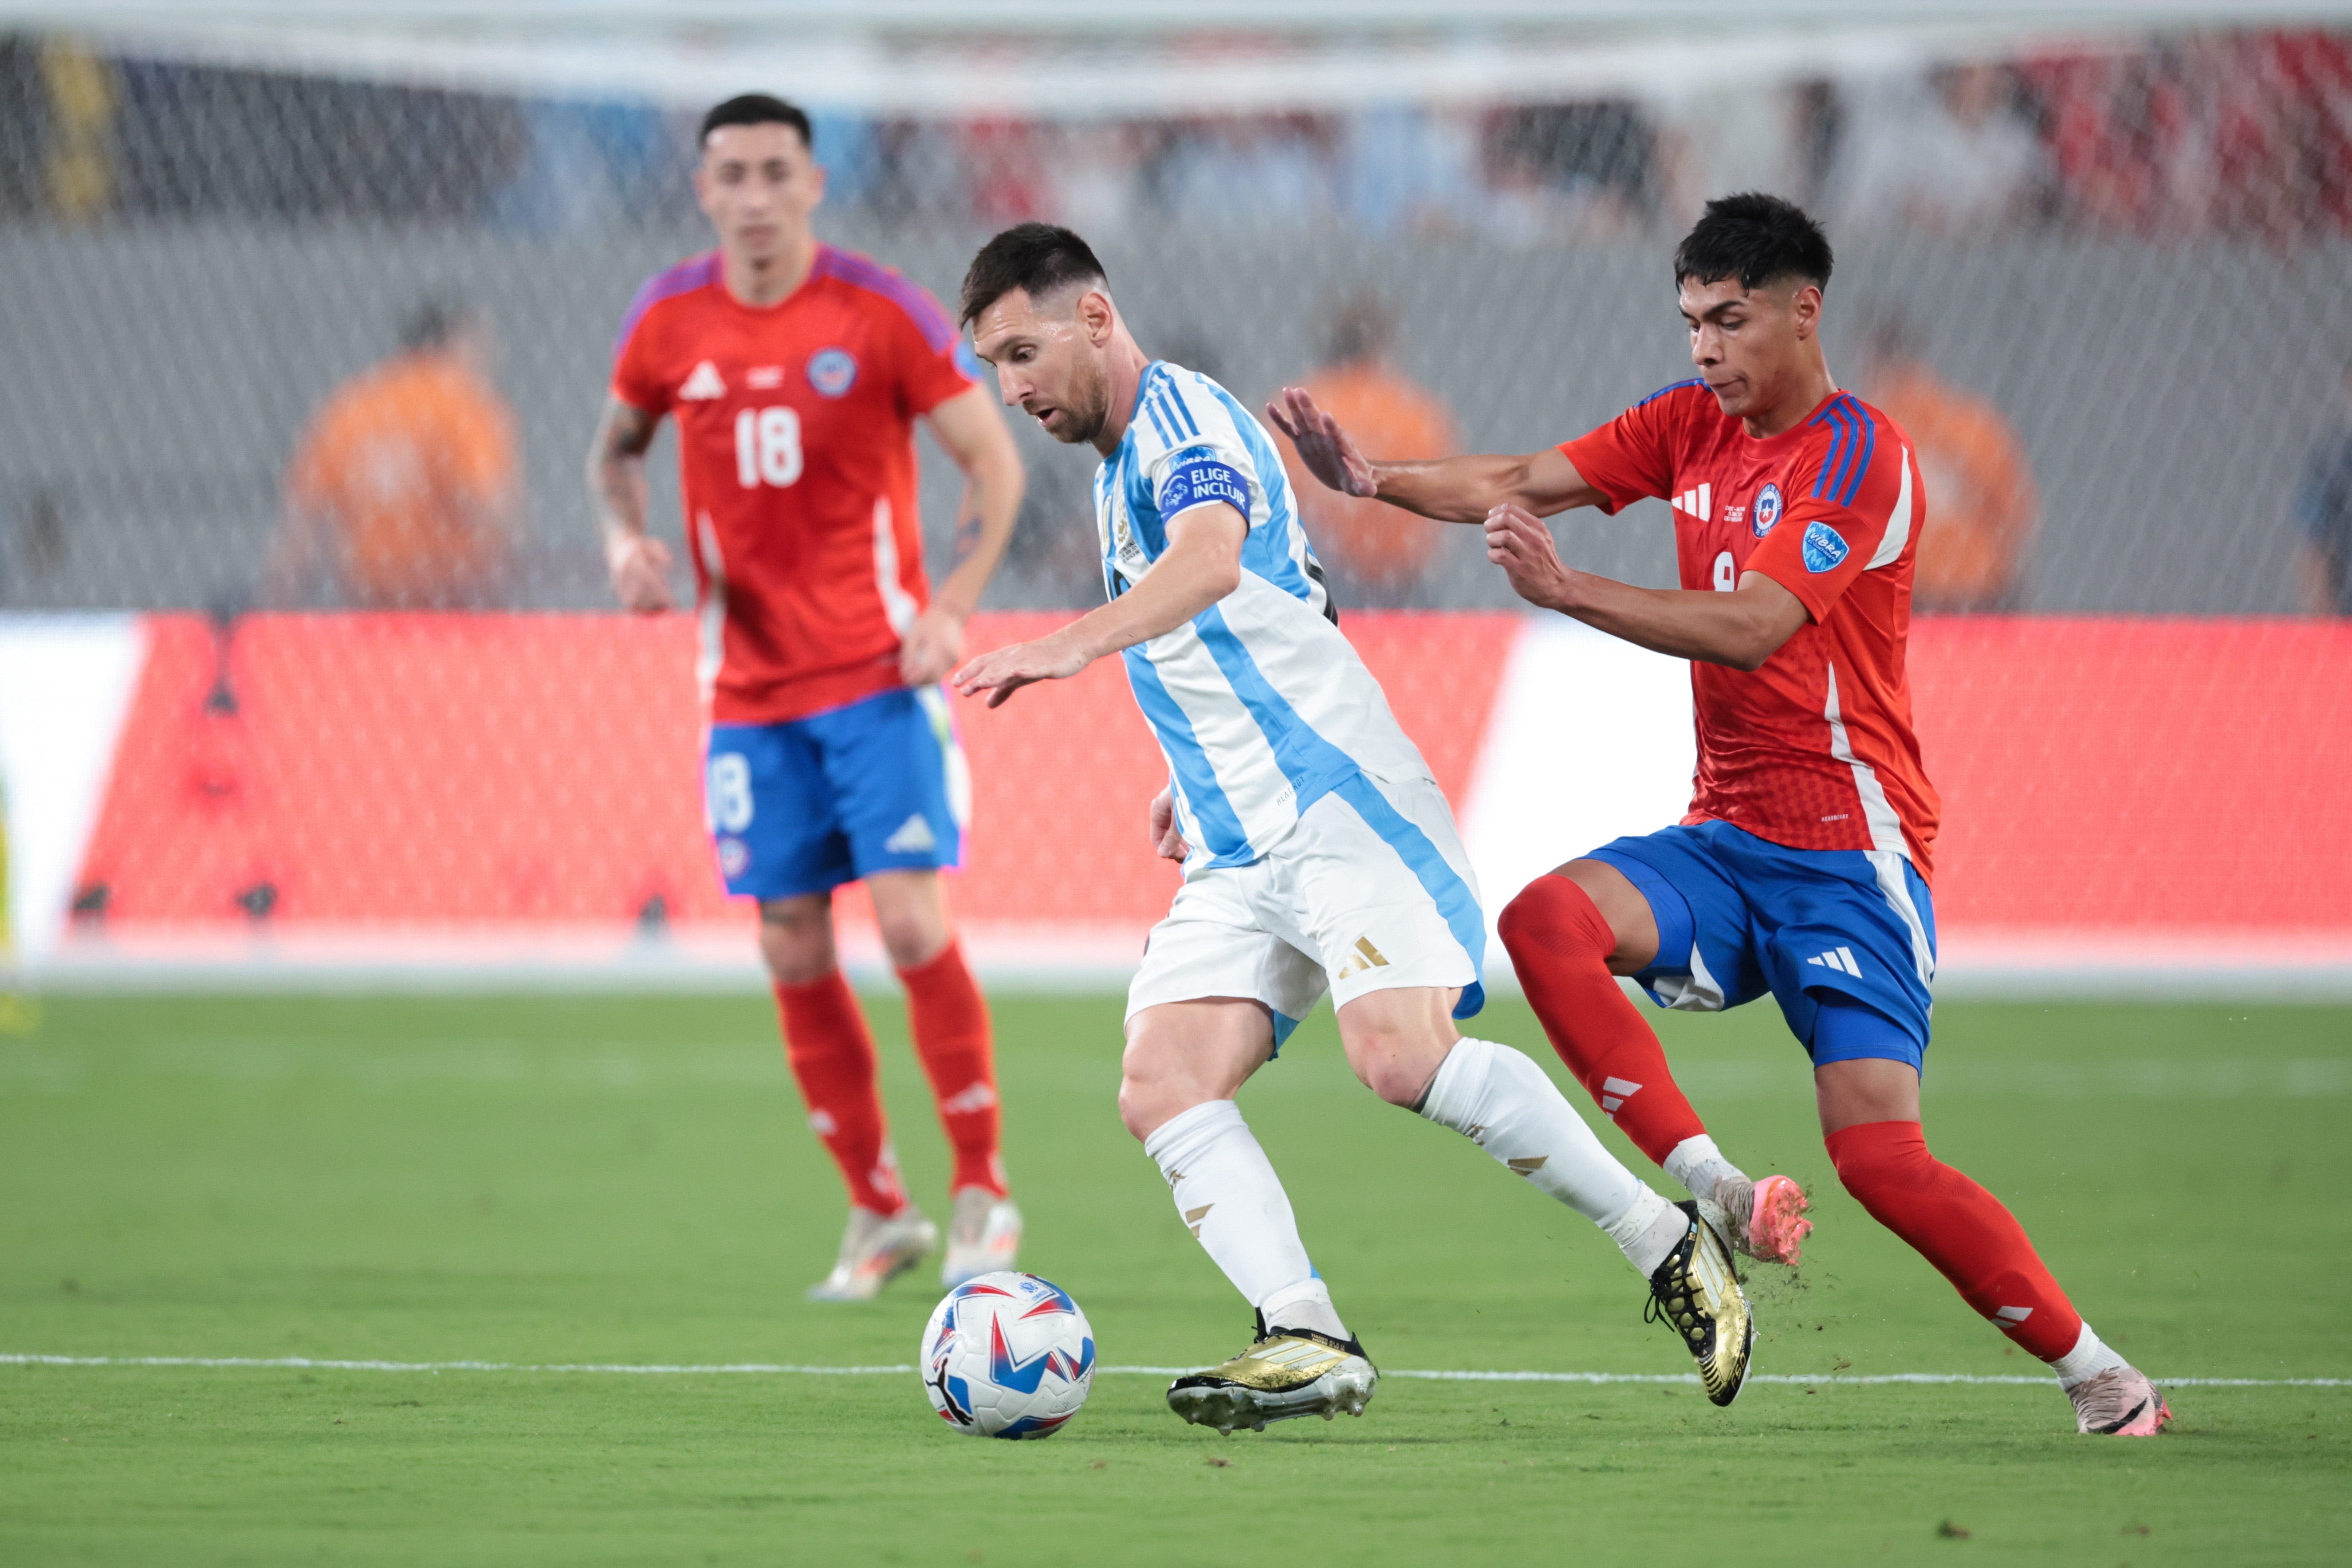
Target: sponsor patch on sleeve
{"x": 1197, "y": 478}
{"x": 1824, "y": 547}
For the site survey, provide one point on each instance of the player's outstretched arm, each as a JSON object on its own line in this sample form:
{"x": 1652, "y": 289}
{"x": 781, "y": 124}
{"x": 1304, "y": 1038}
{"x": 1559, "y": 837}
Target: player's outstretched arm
{"x": 639, "y": 563}
{"x": 1451, "y": 489}
{"x": 1741, "y": 629}
{"x": 972, "y": 427}
{"x": 1202, "y": 564}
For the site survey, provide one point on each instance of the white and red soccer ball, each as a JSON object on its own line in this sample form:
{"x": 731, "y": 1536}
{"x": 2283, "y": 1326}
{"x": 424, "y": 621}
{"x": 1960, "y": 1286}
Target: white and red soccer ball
{"x": 1007, "y": 1356}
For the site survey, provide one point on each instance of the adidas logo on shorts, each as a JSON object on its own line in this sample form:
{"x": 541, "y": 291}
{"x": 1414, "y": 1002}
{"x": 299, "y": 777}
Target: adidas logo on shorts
{"x": 1840, "y": 959}
{"x": 914, "y": 836}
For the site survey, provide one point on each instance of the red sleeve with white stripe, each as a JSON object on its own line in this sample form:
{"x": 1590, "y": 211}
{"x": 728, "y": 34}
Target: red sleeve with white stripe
{"x": 1851, "y": 508}
{"x": 1632, "y": 455}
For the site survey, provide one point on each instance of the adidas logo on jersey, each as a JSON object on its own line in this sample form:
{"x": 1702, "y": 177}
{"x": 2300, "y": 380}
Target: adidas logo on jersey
{"x": 703, "y": 385}
{"x": 914, "y": 836}
{"x": 1699, "y": 503}
{"x": 1841, "y": 959}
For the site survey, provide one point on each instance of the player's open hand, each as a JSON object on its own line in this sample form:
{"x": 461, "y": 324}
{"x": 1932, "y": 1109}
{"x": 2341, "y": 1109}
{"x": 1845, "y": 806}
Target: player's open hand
{"x": 1322, "y": 445}
{"x": 1167, "y": 840}
{"x": 1518, "y": 542}
{"x": 932, "y": 647}
{"x": 1008, "y": 670}
{"x": 640, "y": 571}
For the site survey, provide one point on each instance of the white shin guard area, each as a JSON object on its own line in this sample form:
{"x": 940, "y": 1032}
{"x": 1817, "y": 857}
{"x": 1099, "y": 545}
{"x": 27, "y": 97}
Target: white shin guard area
{"x": 1500, "y": 1100}
{"x": 1231, "y": 1200}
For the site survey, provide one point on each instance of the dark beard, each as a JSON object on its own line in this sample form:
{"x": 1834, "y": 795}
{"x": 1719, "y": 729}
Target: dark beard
{"x": 1081, "y": 431}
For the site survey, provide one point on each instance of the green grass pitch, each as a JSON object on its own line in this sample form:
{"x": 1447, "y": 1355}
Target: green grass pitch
{"x": 553, "y": 1181}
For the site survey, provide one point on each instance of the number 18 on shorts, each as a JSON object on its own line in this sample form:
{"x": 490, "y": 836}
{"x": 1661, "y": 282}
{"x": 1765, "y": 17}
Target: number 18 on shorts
{"x": 803, "y": 806}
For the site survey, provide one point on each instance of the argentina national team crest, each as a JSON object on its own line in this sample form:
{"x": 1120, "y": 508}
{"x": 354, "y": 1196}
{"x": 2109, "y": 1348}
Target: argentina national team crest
{"x": 1824, "y": 547}
{"x": 832, "y": 370}
{"x": 1768, "y": 510}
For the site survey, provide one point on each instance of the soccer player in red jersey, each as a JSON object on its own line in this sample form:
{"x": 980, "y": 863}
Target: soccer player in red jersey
{"x": 795, "y": 371}
{"x": 1801, "y": 869}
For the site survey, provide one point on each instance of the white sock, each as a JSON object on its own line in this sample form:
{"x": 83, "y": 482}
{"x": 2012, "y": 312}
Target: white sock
{"x": 1233, "y": 1201}
{"x": 2089, "y": 1358}
{"x": 1306, "y": 1306}
{"x": 1700, "y": 1167}
{"x": 1499, "y": 1099}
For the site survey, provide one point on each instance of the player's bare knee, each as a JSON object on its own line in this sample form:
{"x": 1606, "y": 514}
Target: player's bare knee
{"x": 796, "y": 939}
{"x": 912, "y": 939}
{"x": 1150, "y": 1092}
{"x": 1395, "y": 1059}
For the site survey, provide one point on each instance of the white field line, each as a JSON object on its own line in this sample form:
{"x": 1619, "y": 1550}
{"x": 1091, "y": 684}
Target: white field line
{"x": 784, "y": 1369}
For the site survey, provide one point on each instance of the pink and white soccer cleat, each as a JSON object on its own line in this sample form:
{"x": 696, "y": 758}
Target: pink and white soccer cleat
{"x": 2119, "y": 1402}
{"x": 1777, "y": 1225}
{"x": 1767, "y": 1222}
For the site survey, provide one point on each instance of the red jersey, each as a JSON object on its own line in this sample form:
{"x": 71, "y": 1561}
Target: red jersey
{"x": 1814, "y": 751}
{"x": 796, "y": 453}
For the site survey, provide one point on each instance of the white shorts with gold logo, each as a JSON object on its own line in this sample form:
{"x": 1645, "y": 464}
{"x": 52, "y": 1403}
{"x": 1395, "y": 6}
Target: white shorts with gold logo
{"x": 1369, "y": 891}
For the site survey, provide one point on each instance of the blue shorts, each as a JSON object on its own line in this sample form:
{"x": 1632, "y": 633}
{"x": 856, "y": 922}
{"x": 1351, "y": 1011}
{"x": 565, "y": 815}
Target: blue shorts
{"x": 801, "y": 807}
{"x": 1738, "y": 916}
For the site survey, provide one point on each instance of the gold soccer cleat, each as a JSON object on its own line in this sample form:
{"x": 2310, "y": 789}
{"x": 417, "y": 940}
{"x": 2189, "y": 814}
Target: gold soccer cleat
{"x": 876, "y": 1250}
{"x": 1697, "y": 1295}
{"x": 1285, "y": 1372}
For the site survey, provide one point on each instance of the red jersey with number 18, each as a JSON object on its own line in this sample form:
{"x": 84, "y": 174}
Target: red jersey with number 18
{"x": 1814, "y": 751}
{"x": 796, "y": 454}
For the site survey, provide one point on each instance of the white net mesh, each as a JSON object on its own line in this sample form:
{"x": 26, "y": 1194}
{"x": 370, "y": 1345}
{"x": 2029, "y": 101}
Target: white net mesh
{"x": 2122, "y": 270}
{"x": 2106, "y": 288}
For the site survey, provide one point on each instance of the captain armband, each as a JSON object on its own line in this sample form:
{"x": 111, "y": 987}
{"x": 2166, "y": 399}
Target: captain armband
{"x": 1200, "y": 476}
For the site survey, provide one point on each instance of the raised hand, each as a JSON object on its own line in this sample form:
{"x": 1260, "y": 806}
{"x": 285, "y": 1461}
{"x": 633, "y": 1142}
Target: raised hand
{"x": 1322, "y": 445}
{"x": 1008, "y": 670}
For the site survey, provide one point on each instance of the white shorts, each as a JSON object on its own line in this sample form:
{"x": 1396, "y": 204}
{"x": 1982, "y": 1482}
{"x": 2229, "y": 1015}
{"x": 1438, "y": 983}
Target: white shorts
{"x": 1369, "y": 890}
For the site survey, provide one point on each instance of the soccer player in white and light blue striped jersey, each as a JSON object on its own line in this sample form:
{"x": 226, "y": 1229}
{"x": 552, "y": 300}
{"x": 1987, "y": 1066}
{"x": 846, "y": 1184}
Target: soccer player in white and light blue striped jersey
{"x": 1318, "y": 853}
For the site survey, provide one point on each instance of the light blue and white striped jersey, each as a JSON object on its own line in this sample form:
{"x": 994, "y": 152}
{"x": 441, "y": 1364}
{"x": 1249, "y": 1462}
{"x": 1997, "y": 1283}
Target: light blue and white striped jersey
{"x": 1261, "y": 705}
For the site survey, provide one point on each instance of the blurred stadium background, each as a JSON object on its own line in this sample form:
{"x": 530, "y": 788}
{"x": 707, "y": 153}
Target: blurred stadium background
{"x": 2097, "y": 257}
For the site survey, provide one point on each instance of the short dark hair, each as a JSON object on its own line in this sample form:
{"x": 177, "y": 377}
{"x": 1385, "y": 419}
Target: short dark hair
{"x": 1036, "y": 256}
{"x": 431, "y": 323}
{"x": 755, "y": 109}
{"x": 1758, "y": 239}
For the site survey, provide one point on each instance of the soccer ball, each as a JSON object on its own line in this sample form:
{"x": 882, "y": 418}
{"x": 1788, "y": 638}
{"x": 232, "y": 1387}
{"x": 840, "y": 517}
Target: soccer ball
{"x": 1007, "y": 1356}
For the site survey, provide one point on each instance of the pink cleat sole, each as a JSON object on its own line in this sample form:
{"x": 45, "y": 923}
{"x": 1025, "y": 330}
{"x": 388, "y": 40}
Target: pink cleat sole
{"x": 1777, "y": 1228}
{"x": 2119, "y": 1402}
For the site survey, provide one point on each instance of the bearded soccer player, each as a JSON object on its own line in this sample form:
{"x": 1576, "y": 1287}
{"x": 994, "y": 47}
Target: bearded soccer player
{"x": 1318, "y": 853}
{"x": 795, "y": 371}
{"x": 1801, "y": 869}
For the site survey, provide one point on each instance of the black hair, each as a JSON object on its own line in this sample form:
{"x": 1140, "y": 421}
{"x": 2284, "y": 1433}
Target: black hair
{"x": 1758, "y": 239}
{"x": 1037, "y": 257}
{"x": 432, "y": 323}
{"x": 755, "y": 109}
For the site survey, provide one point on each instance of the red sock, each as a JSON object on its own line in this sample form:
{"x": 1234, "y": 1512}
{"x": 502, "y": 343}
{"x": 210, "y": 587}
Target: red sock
{"x": 1959, "y": 1227}
{"x": 1560, "y": 945}
{"x": 948, "y": 1019}
{"x": 832, "y": 1055}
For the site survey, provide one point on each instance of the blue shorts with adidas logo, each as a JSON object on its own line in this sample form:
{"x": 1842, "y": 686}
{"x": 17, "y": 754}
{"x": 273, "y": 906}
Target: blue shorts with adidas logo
{"x": 1738, "y": 916}
{"x": 878, "y": 784}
